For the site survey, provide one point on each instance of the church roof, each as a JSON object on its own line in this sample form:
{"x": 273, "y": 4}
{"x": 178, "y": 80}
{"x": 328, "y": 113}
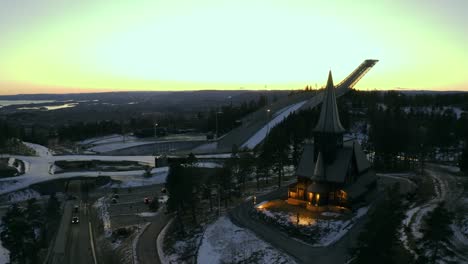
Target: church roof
{"x": 319, "y": 171}
{"x": 337, "y": 170}
{"x": 362, "y": 184}
{"x": 361, "y": 159}
{"x": 329, "y": 120}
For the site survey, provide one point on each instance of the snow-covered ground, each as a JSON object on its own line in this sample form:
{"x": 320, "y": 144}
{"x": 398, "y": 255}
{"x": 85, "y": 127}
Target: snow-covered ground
{"x": 20, "y": 196}
{"x": 214, "y": 156}
{"x": 225, "y": 242}
{"x": 103, "y": 214}
{"x": 117, "y": 145}
{"x": 111, "y": 143}
{"x": 41, "y": 151}
{"x": 207, "y": 146}
{"x": 328, "y": 231}
{"x": 4, "y": 253}
{"x": 107, "y": 139}
{"x": 41, "y": 169}
{"x": 147, "y": 214}
{"x": 453, "y": 169}
{"x": 158, "y": 176}
{"x": 208, "y": 165}
{"x": 446, "y": 190}
{"x": 279, "y": 116}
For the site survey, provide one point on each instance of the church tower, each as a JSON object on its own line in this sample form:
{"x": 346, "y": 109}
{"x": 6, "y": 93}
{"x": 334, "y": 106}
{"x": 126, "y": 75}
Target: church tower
{"x": 328, "y": 133}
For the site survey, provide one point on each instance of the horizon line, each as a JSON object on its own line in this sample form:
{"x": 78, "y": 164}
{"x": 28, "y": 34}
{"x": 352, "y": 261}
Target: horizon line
{"x": 245, "y": 90}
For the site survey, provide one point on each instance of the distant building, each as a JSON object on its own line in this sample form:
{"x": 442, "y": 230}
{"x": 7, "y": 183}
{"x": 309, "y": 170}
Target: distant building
{"x": 331, "y": 172}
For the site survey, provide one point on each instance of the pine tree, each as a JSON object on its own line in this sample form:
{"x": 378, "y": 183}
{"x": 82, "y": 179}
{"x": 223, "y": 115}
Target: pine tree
{"x": 464, "y": 158}
{"x": 381, "y": 245}
{"x": 437, "y": 232}
{"x": 18, "y": 236}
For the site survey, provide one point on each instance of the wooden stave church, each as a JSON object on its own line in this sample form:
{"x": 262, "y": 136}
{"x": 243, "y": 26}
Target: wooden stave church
{"x": 332, "y": 173}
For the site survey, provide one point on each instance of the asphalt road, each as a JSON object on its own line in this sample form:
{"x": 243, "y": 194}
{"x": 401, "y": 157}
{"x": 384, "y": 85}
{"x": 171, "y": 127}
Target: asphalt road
{"x": 301, "y": 252}
{"x": 78, "y": 249}
{"x": 147, "y": 252}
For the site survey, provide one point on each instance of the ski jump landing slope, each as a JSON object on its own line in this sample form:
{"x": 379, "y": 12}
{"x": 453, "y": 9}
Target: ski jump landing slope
{"x": 255, "y": 126}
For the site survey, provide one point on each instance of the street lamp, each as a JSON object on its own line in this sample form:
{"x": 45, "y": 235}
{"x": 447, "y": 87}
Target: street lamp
{"x": 216, "y": 115}
{"x": 155, "y": 130}
{"x": 268, "y": 120}
{"x": 155, "y": 136}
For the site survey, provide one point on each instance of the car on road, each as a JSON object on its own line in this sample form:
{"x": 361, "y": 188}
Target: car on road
{"x": 76, "y": 208}
{"x": 75, "y": 220}
{"x": 163, "y": 199}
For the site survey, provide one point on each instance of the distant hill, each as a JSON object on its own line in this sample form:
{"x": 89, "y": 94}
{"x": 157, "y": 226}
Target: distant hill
{"x": 154, "y": 96}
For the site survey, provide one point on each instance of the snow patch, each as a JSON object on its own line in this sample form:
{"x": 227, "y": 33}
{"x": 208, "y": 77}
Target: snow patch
{"x": 117, "y": 146}
{"x": 262, "y": 133}
{"x": 106, "y": 139}
{"x": 225, "y": 242}
{"x": 22, "y": 195}
{"x": 103, "y": 214}
{"x": 147, "y": 214}
{"x": 41, "y": 151}
{"x": 328, "y": 231}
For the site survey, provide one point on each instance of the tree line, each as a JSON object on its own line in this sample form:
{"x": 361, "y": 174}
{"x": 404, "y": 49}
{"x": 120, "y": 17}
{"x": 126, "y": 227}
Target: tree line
{"x": 25, "y": 231}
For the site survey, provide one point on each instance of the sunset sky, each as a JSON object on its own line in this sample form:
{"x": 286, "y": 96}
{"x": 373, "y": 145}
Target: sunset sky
{"x": 62, "y": 46}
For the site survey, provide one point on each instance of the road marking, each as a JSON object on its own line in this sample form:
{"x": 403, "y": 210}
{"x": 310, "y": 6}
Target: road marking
{"x": 92, "y": 242}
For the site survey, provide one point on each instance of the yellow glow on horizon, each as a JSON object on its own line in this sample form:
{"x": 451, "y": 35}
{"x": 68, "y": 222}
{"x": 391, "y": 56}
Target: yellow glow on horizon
{"x": 213, "y": 44}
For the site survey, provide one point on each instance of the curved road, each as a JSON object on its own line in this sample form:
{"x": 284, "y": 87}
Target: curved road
{"x": 146, "y": 249}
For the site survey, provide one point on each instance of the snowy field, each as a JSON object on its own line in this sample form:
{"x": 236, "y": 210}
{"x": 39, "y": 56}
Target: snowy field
{"x": 41, "y": 169}
{"x": 117, "y": 145}
{"x": 20, "y": 196}
{"x": 277, "y": 118}
{"x": 111, "y": 143}
{"x": 103, "y": 214}
{"x": 125, "y": 180}
{"x": 106, "y": 139}
{"x": 224, "y": 242}
{"x": 207, "y": 147}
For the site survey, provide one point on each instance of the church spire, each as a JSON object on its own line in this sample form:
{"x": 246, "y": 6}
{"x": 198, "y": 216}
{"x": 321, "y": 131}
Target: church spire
{"x": 329, "y": 120}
